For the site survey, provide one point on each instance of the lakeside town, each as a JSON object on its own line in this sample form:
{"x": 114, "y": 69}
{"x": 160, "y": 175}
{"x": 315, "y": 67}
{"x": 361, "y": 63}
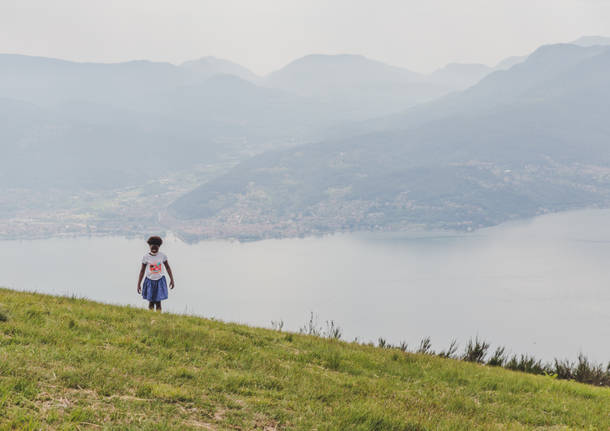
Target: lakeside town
{"x": 128, "y": 211}
{"x": 139, "y": 210}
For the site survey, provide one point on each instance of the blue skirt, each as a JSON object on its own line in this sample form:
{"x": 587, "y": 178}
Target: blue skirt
{"x": 154, "y": 290}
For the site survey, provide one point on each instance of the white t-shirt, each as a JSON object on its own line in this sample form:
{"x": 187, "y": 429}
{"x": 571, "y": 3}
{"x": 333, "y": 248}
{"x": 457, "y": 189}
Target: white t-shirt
{"x": 154, "y": 265}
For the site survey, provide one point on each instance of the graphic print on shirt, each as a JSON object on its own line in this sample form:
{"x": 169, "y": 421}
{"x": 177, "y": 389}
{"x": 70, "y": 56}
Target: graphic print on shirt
{"x": 155, "y": 268}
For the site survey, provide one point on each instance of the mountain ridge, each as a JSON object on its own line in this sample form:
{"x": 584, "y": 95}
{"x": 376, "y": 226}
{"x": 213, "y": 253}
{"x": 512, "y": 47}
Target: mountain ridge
{"x": 533, "y": 148}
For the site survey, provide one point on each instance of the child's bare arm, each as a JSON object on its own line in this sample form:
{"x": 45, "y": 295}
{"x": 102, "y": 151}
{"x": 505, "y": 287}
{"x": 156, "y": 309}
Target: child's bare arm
{"x": 171, "y": 276}
{"x": 140, "y": 277}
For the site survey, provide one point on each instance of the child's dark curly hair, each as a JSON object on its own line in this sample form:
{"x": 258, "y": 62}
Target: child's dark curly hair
{"x": 155, "y": 240}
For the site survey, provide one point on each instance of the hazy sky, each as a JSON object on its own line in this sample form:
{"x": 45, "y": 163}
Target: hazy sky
{"x": 266, "y": 34}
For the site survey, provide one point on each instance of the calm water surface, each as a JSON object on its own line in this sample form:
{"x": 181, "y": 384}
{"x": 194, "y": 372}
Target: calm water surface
{"x": 540, "y": 287}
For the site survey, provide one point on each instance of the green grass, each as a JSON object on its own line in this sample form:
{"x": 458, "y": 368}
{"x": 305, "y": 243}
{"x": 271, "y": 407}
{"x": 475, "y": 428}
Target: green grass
{"x": 72, "y": 364}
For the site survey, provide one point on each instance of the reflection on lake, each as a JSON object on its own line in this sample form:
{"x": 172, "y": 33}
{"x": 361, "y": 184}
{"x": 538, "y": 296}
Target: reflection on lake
{"x": 540, "y": 287}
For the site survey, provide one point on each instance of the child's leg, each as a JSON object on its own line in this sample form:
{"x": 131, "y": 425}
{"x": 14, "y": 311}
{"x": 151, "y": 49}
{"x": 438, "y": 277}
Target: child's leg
{"x": 158, "y": 304}
{"x": 151, "y": 305}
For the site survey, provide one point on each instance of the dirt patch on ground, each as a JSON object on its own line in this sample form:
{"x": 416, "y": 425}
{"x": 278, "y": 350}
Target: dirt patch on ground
{"x": 201, "y": 425}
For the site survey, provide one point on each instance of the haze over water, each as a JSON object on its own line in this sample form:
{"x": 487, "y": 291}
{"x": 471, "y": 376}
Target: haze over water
{"x": 539, "y": 286}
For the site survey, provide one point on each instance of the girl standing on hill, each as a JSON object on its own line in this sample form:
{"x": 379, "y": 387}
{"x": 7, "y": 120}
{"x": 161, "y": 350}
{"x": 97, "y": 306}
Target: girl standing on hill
{"x": 155, "y": 286}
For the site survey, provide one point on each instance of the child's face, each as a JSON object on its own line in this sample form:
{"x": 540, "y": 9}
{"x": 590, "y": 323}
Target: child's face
{"x": 154, "y": 248}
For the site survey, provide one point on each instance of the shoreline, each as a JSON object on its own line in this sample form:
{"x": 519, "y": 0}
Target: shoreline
{"x": 194, "y": 238}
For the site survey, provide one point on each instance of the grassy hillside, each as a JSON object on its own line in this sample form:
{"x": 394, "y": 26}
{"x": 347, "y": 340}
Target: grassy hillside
{"x": 74, "y": 364}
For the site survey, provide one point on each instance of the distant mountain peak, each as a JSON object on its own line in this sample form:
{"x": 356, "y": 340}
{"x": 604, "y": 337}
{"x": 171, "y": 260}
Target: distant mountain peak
{"x": 338, "y": 69}
{"x": 562, "y": 53}
{"x": 206, "y": 67}
{"x": 591, "y": 41}
{"x": 331, "y": 58}
{"x": 343, "y": 59}
{"x": 509, "y": 62}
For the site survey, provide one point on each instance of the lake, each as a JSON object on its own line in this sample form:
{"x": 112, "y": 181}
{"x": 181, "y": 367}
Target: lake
{"x": 540, "y": 286}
